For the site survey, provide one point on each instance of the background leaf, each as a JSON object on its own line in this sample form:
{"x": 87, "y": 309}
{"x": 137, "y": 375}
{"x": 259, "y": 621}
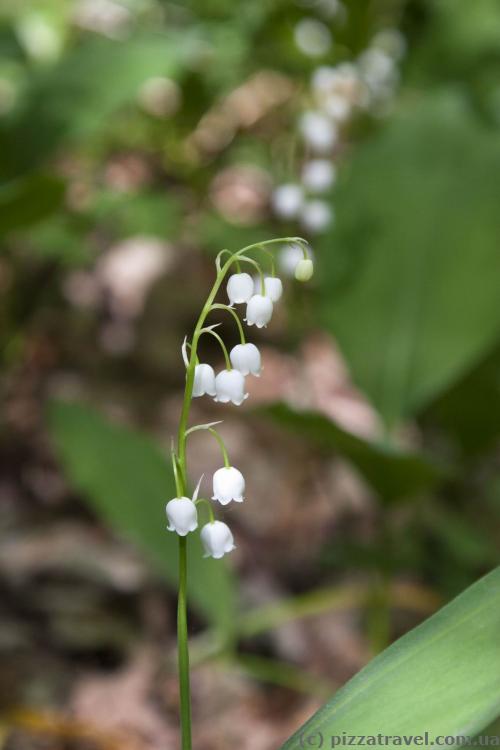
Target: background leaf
{"x": 392, "y": 474}
{"x": 127, "y": 481}
{"x": 72, "y": 99}
{"x": 408, "y": 285}
{"x": 442, "y": 677}
{"x": 26, "y": 201}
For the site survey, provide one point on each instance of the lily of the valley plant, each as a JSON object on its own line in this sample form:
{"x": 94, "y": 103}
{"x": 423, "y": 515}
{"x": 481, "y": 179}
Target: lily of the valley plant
{"x": 259, "y": 294}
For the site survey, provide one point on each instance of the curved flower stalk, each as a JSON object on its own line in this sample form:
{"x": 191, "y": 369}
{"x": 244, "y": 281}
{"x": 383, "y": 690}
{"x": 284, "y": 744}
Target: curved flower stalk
{"x": 228, "y": 386}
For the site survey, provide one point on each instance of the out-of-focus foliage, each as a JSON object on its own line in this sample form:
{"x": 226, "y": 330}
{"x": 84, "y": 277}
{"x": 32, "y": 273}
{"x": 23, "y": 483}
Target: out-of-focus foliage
{"x": 392, "y": 473}
{"x": 409, "y": 288}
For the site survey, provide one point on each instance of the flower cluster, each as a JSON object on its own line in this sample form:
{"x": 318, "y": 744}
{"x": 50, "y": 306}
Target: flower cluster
{"x": 259, "y": 294}
{"x": 337, "y": 92}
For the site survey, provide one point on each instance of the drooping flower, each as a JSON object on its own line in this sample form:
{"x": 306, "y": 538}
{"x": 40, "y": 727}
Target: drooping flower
{"x": 259, "y": 311}
{"x": 182, "y": 515}
{"x": 230, "y": 386}
{"x": 204, "y": 381}
{"x": 228, "y": 484}
{"x": 246, "y": 358}
{"x": 304, "y": 269}
{"x": 217, "y": 539}
{"x": 239, "y": 288}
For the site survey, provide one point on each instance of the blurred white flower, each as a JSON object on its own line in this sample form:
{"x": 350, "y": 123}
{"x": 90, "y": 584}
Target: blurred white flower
{"x": 316, "y": 216}
{"x": 318, "y": 175}
{"x": 217, "y": 539}
{"x": 336, "y": 106}
{"x": 105, "y": 17}
{"x": 377, "y": 67}
{"x": 312, "y": 37}
{"x": 204, "y": 381}
{"x": 287, "y": 200}
{"x": 159, "y": 96}
{"x": 318, "y": 131}
{"x": 182, "y": 515}
{"x": 259, "y": 311}
{"x": 230, "y": 387}
{"x": 239, "y": 288}
{"x": 228, "y": 485}
{"x": 392, "y": 42}
{"x": 246, "y": 358}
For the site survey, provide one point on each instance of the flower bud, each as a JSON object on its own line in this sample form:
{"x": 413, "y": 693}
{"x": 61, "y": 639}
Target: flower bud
{"x": 204, "y": 381}
{"x": 246, "y": 359}
{"x": 182, "y": 515}
{"x": 239, "y": 288}
{"x": 259, "y": 311}
{"x": 217, "y": 539}
{"x": 304, "y": 269}
{"x": 230, "y": 386}
{"x": 228, "y": 484}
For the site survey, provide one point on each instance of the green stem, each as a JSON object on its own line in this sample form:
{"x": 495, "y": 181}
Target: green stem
{"x": 208, "y": 505}
{"x": 235, "y": 316}
{"x": 182, "y": 648}
{"x": 222, "y": 345}
{"x": 216, "y": 435}
{"x": 182, "y": 636}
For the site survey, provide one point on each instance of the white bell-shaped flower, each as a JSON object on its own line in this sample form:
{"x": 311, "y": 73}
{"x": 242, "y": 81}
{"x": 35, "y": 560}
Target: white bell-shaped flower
{"x": 239, "y": 288}
{"x": 230, "y": 386}
{"x": 246, "y": 358}
{"x": 228, "y": 484}
{"x": 204, "y": 381}
{"x": 217, "y": 539}
{"x": 259, "y": 311}
{"x": 273, "y": 288}
{"x": 182, "y": 515}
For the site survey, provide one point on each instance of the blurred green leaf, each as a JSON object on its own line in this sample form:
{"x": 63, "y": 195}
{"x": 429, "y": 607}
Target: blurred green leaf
{"x": 393, "y": 474}
{"x": 441, "y": 678}
{"x": 470, "y": 410}
{"x": 72, "y": 99}
{"x": 28, "y": 200}
{"x": 127, "y": 481}
{"x": 409, "y": 280}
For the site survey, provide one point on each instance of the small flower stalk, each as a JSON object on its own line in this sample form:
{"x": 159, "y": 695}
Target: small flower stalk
{"x": 228, "y": 386}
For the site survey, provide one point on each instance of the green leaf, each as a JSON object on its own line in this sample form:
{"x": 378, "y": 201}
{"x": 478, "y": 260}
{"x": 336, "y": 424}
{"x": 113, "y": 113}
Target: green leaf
{"x": 409, "y": 281}
{"x": 441, "y": 678}
{"x": 75, "y": 97}
{"x": 393, "y": 474}
{"x": 28, "y": 200}
{"x": 127, "y": 480}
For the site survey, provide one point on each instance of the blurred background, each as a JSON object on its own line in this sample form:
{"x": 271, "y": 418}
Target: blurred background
{"x": 137, "y": 139}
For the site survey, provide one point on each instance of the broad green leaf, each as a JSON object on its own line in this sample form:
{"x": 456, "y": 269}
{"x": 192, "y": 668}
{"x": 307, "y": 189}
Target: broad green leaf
{"x": 409, "y": 278}
{"x": 126, "y": 479}
{"x": 393, "y": 474}
{"x": 28, "y": 200}
{"x": 442, "y": 678}
{"x": 75, "y": 97}
{"x": 470, "y": 411}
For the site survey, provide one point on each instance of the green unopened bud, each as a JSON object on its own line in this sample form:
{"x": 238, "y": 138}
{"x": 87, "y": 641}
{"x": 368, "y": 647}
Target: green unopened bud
{"x": 304, "y": 269}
